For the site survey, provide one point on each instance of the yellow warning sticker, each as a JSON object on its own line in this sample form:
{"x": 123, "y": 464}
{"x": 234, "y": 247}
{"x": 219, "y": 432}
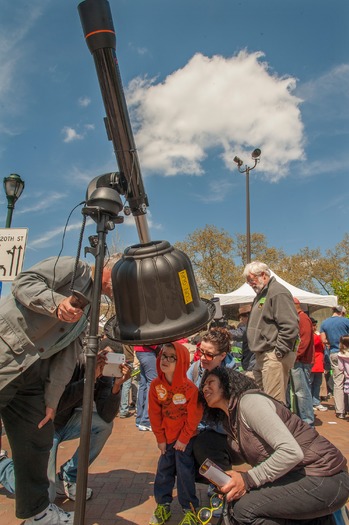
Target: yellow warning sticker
{"x": 183, "y": 277}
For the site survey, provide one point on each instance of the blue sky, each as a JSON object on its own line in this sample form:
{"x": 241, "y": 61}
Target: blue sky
{"x": 205, "y": 80}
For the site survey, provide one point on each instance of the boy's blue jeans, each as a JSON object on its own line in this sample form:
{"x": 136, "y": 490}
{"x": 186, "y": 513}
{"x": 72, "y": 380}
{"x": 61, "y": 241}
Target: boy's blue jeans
{"x": 181, "y": 464}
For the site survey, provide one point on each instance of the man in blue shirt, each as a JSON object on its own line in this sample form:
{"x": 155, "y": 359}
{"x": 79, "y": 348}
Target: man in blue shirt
{"x": 331, "y": 331}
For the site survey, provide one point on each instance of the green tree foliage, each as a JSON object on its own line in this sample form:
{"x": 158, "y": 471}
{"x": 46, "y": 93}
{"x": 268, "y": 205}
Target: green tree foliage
{"x": 341, "y": 289}
{"x": 218, "y": 261}
{"x": 212, "y": 256}
{"x": 260, "y": 251}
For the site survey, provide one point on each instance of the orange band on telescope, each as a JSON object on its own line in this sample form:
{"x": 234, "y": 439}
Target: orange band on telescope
{"x": 100, "y": 31}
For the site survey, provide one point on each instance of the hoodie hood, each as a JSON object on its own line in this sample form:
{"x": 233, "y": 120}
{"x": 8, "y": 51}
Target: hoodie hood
{"x": 182, "y": 365}
{"x": 229, "y": 361}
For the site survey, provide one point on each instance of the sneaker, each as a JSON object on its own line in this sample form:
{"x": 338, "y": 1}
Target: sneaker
{"x": 190, "y": 518}
{"x": 67, "y": 489}
{"x": 126, "y": 414}
{"x": 144, "y": 427}
{"x": 161, "y": 514}
{"x": 52, "y": 515}
{"x": 340, "y": 416}
{"x": 3, "y": 454}
{"x": 320, "y": 407}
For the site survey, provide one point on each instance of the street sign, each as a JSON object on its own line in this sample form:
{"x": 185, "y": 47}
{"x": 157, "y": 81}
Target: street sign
{"x": 12, "y": 248}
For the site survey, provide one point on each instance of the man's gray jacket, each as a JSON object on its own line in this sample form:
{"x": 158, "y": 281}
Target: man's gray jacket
{"x": 273, "y": 321}
{"x": 30, "y": 328}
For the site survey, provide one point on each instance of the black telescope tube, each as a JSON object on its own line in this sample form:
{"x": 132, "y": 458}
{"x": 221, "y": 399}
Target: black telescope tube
{"x": 97, "y": 24}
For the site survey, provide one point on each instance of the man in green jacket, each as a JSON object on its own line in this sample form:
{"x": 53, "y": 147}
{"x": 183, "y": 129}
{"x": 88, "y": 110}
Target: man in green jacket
{"x": 272, "y": 330}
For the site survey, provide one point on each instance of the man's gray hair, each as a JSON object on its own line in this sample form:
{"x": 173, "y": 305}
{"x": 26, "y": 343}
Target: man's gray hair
{"x": 256, "y": 268}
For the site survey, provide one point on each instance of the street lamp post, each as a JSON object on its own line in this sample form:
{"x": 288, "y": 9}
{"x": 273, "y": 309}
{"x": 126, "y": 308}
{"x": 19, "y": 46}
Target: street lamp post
{"x": 14, "y": 186}
{"x": 256, "y": 153}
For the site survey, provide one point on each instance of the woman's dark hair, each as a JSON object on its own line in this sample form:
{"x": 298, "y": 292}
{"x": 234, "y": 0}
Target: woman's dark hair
{"x": 344, "y": 342}
{"x": 220, "y": 338}
{"x": 233, "y": 384}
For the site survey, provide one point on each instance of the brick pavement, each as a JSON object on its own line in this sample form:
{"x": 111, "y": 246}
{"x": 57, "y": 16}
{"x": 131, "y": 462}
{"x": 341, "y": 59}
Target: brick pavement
{"x": 122, "y": 476}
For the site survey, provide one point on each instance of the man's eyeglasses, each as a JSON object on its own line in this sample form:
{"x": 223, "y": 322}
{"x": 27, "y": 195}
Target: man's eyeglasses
{"x": 205, "y": 513}
{"x": 207, "y": 355}
{"x": 169, "y": 358}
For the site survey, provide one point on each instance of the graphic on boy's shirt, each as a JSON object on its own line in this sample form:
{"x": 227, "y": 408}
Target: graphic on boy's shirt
{"x": 179, "y": 399}
{"x": 161, "y": 392}
{"x": 173, "y": 404}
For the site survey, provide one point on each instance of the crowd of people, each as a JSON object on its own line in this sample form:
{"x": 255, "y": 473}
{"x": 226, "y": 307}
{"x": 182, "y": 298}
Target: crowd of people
{"x": 246, "y": 395}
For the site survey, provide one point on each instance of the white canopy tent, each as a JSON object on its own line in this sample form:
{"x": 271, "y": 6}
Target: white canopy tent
{"x": 245, "y": 294}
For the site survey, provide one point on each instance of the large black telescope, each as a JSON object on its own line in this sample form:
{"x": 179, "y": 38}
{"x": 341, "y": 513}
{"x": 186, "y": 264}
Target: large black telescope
{"x": 154, "y": 288}
{"x": 98, "y": 27}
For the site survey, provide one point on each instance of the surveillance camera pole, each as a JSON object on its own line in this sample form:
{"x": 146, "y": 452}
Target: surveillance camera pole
{"x": 255, "y": 156}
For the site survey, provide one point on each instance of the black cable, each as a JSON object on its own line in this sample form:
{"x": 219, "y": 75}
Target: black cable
{"x": 62, "y": 246}
{"x": 81, "y": 236}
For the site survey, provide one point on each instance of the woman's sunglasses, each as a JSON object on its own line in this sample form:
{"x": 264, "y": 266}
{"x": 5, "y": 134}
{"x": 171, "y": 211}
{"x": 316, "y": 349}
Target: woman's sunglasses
{"x": 205, "y": 513}
{"x": 208, "y": 356}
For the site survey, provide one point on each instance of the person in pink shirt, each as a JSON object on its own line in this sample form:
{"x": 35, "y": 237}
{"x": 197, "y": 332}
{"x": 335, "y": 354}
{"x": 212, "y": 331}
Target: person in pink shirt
{"x": 317, "y": 370}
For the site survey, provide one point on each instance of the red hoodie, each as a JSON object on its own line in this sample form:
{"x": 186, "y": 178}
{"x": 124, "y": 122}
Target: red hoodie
{"x": 174, "y": 410}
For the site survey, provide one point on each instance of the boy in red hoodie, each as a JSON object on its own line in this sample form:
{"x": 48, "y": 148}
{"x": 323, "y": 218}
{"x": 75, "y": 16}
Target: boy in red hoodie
{"x": 174, "y": 413}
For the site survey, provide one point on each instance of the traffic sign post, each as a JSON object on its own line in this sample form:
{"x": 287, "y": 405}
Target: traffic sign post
{"x": 12, "y": 248}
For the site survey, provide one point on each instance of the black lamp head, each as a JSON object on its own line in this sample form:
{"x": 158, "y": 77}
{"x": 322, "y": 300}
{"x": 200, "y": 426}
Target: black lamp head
{"x": 256, "y": 153}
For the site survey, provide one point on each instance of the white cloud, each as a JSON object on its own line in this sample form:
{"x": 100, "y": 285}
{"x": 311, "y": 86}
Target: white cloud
{"x": 45, "y": 238}
{"x": 327, "y": 97}
{"x": 84, "y": 102}
{"x": 15, "y": 24}
{"x": 78, "y": 176}
{"x": 234, "y": 104}
{"x": 70, "y": 134}
{"x": 335, "y": 81}
{"x": 41, "y": 202}
{"x": 129, "y": 220}
{"x": 139, "y": 50}
{"x": 142, "y": 50}
{"x": 217, "y": 191}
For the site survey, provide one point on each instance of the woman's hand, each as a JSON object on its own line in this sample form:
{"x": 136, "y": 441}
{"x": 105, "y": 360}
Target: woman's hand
{"x": 235, "y": 488}
{"x": 179, "y": 446}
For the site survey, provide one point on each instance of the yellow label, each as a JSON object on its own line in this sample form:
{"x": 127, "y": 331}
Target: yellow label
{"x": 183, "y": 277}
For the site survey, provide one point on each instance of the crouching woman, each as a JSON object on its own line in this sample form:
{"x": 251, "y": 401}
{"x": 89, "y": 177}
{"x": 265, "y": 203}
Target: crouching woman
{"x": 295, "y": 473}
